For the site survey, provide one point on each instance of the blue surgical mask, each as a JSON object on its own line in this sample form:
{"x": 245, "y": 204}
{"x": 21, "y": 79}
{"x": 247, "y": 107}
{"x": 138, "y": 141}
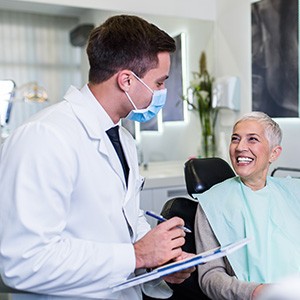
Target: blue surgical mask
{"x": 158, "y": 101}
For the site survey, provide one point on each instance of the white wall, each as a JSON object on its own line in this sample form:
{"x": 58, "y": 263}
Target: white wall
{"x": 233, "y": 55}
{"x": 233, "y": 45}
{"x": 198, "y": 9}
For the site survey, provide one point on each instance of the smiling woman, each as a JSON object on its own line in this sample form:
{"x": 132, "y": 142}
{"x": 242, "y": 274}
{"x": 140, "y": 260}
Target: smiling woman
{"x": 255, "y": 143}
{"x": 254, "y": 205}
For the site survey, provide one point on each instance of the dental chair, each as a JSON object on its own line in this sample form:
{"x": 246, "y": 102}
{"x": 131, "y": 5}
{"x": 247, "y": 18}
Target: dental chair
{"x": 286, "y": 172}
{"x": 200, "y": 175}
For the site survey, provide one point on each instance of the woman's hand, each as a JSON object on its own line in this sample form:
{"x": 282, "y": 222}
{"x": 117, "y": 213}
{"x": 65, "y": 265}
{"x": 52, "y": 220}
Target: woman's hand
{"x": 181, "y": 276}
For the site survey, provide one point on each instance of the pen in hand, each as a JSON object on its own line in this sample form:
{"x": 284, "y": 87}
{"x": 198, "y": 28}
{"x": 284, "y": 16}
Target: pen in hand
{"x": 162, "y": 219}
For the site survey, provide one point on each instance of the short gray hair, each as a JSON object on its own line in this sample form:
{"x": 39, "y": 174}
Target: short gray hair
{"x": 272, "y": 129}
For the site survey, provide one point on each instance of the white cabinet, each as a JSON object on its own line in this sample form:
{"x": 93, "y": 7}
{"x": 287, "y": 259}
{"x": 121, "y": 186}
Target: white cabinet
{"x": 154, "y": 199}
{"x": 163, "y": 181}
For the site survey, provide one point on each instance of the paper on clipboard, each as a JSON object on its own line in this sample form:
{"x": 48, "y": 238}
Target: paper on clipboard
{"x": 198, "y": 259}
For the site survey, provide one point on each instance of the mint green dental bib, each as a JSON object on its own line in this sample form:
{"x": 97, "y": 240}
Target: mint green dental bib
{"x": 271, "y": 216}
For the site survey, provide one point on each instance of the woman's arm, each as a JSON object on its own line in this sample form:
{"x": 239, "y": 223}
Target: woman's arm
{"x": 216, "y": 278}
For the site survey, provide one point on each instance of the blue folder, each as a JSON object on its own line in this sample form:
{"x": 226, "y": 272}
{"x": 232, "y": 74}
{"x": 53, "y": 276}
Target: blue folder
{"x": 173, "y": 267}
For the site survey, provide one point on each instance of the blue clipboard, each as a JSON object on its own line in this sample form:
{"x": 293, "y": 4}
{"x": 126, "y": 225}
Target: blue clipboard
{"x": 170, "y": 268}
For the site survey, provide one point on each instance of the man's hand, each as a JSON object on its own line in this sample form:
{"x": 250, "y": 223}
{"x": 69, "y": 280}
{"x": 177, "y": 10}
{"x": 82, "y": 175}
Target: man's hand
{"x": 160, "y": 245}
{"x": 181, "y": 276}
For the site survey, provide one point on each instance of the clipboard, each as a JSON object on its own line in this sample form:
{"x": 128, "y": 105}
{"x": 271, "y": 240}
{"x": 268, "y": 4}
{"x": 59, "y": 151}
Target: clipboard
{"x": 173, "y": 267}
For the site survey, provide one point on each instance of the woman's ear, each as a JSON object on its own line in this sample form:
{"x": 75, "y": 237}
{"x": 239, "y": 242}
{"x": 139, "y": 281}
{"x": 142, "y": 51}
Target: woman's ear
{"x": 124, "y": 79}
{"x": 276, "y": 151}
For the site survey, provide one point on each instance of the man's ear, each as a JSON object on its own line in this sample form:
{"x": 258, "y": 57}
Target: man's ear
{"x": 276, "y": 151}
{"x": 124, "y": 80}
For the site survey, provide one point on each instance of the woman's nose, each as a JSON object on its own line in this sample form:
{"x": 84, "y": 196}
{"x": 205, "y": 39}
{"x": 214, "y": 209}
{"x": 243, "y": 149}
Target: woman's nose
{"x": 242, "y": 145}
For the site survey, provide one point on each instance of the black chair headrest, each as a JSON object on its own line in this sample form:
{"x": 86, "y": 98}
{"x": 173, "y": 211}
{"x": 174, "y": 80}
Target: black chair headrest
{"x": 202, "y": 173}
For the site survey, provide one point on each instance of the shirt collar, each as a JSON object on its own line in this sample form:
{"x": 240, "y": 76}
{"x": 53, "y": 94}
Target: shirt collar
{"x": 106, "y": 121}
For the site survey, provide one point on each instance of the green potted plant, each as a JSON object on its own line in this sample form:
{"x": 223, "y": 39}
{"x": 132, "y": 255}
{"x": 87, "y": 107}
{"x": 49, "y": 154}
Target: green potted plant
{"x": 201, "y": 90}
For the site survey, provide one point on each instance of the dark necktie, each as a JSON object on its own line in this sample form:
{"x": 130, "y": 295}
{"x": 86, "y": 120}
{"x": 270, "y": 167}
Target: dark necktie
{"x": 113, "y": 134}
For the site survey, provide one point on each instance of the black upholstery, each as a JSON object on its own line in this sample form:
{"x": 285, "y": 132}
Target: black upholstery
{"x": 200, "y": 175}
{"x": 185, "y": 208}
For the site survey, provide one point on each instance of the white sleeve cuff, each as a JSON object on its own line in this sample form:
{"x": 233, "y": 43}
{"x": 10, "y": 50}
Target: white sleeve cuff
{"x": 123, "y": 260}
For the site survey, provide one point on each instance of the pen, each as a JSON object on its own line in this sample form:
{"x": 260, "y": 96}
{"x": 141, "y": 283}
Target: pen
{"x": 162, "y": 219}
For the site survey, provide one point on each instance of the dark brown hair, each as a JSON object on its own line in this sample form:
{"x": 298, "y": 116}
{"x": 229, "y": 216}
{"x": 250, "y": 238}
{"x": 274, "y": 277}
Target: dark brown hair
{"x": 125, "y": 42}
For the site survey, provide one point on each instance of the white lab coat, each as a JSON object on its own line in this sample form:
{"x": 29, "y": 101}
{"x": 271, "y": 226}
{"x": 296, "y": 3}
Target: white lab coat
{"x": 63, "y": 230}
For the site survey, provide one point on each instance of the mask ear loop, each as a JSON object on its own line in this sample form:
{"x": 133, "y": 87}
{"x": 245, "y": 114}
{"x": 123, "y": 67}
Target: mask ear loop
{"x": 129, "y": 98}
{"x": 141, "y": 81}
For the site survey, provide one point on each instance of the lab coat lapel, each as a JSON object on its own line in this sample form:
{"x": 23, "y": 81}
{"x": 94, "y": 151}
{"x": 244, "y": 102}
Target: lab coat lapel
{"x": 106, "y": 147}
{"x": 135, "y": 183}
{"x": 87, "y": 113}
{"x": 129, "y": 155}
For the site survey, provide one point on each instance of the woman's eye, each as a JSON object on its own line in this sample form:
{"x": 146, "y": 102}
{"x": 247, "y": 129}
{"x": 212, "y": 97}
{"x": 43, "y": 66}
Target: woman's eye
{"x": 253, "y": 139}
{"x": 234, "y": 139}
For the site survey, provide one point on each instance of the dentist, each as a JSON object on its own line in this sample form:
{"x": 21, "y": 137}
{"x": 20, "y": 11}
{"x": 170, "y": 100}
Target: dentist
{"x": 70, "y": 222}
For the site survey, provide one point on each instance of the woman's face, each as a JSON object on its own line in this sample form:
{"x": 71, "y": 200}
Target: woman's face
{"x": 250, "y": 153}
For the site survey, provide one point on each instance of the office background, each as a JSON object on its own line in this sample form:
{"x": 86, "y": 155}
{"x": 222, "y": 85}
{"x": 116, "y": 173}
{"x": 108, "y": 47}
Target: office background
{"x": 221, "y": 28}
